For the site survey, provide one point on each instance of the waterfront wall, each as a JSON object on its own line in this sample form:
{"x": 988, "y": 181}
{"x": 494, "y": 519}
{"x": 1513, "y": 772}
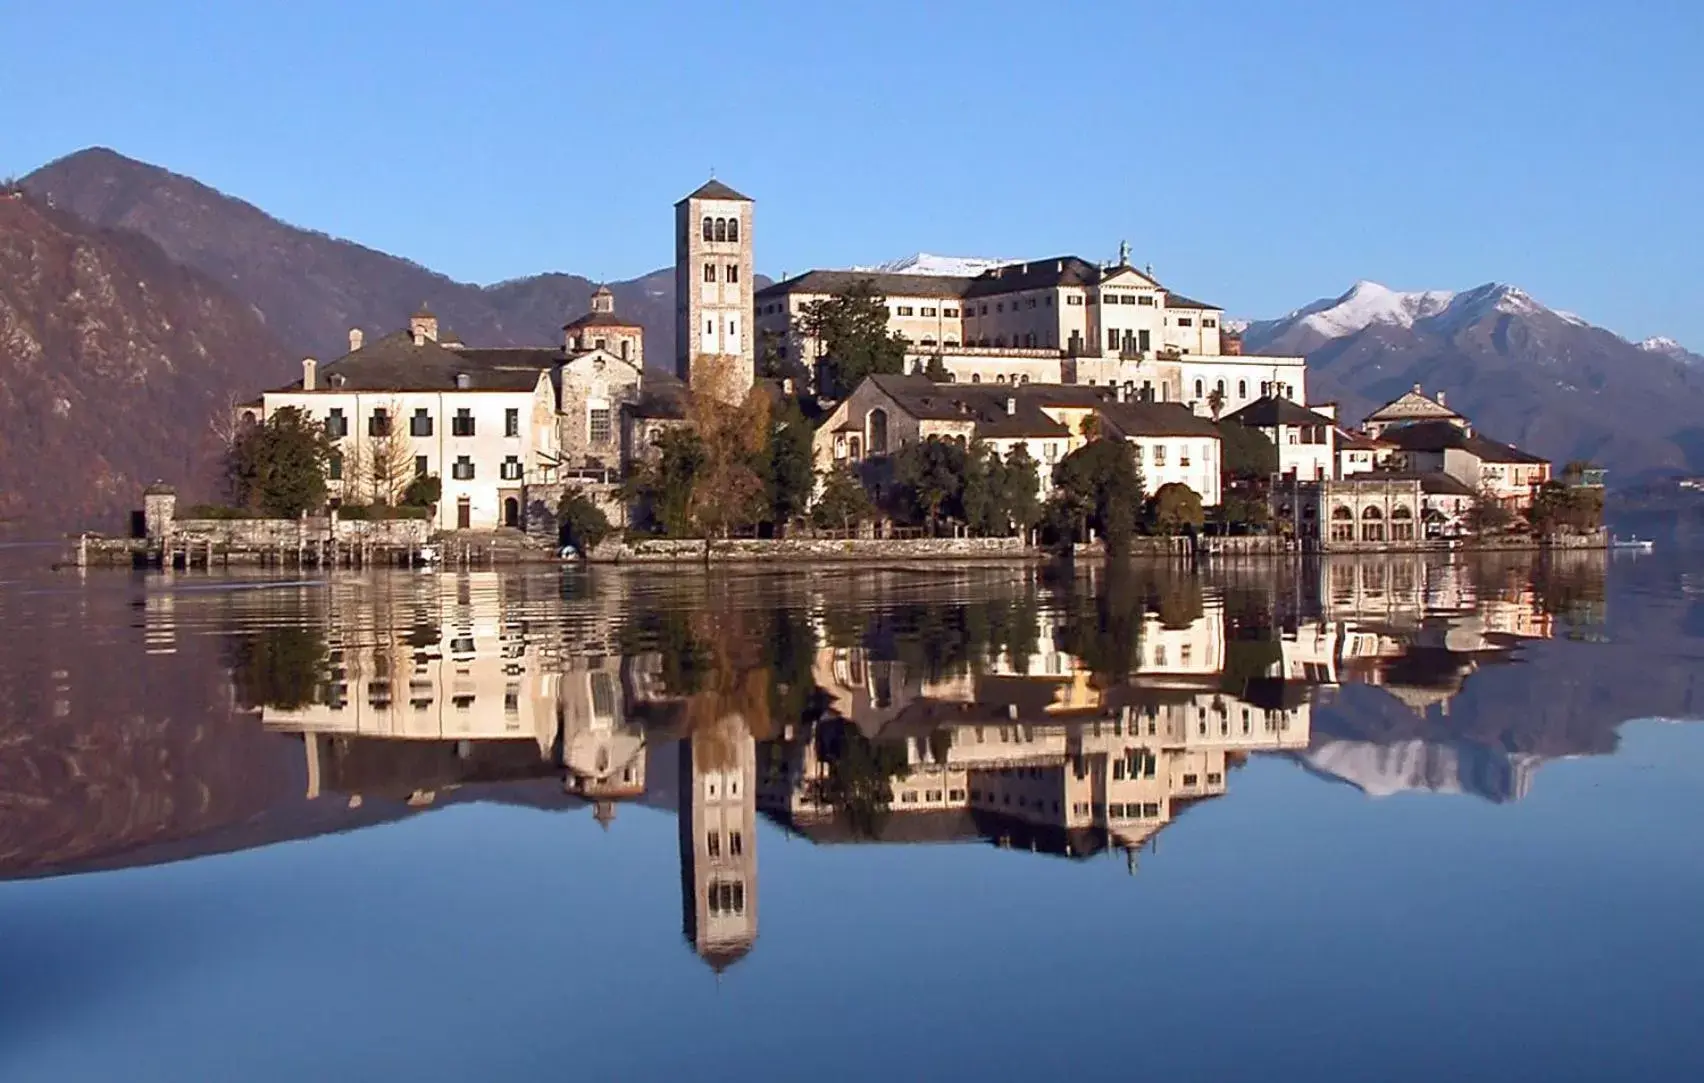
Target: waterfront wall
{"x": 272, "y": 533}
{"x": 684, "y": 550}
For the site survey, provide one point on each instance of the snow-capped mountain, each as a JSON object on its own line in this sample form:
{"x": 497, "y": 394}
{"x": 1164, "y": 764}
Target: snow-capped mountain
{"x": 1668, "y": 347}
{"x": 923, "y": 263}
{"x": 1380, "y": 770}
{"x": 1539, "y": 377}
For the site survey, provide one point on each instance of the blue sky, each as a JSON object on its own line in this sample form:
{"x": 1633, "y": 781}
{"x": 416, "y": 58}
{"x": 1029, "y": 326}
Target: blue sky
{"x": 1258, "y": 154}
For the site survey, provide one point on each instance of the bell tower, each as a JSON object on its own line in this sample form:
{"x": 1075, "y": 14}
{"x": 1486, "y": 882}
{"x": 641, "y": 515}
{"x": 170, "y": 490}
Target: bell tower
{"x": 713, "y": 291}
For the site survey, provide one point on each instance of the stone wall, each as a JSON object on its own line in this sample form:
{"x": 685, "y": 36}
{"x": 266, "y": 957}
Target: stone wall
{"x": 672, "y": 551}
{"x": 272, "y": 533}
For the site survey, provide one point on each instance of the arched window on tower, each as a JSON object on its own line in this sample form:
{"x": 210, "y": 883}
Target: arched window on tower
{"x": 721, "y": 229}
{"x": 1200, "y": 389}
{"x": 734, "y": 229}
{"x": 1242, "y": 389}
{"x": 708, "y": 235}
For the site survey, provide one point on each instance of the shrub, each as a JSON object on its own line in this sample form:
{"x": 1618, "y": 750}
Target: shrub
{"x": 423, "y": 491}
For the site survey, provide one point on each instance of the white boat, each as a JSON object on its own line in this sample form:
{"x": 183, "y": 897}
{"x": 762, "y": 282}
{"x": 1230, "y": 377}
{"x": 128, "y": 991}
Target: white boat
{"x": 427, "y": 554}
{"x": 1636, "y": 544}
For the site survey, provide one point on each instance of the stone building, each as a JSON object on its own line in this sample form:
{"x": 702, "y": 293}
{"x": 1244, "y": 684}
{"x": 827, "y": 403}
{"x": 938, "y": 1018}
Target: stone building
{"x": 601, "y": 375}
{"x": 713, "y": 287}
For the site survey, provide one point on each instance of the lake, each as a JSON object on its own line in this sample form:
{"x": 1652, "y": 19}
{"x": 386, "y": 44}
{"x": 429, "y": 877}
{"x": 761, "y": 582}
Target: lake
{"x": 1393, "y": 818}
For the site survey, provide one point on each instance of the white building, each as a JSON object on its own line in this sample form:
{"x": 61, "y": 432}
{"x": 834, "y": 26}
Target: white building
{"x": 1306, "y": 439}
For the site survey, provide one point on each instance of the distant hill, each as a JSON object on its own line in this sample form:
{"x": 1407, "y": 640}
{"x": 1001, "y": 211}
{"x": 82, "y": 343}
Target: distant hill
{"x": 1546, "y": 380}
{"x": 113, "y": 359}
{"x": 312, "y": 288}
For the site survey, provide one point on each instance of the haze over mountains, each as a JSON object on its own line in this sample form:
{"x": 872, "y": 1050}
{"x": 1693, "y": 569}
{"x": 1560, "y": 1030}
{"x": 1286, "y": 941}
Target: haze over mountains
{"x": 207, "y": 296}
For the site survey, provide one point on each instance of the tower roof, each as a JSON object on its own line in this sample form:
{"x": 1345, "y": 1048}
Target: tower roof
{"x": 715, "y": 189}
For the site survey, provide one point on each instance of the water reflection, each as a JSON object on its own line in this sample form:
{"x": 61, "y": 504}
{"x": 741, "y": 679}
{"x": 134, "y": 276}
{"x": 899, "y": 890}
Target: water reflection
{"x": 1044, "y": 712}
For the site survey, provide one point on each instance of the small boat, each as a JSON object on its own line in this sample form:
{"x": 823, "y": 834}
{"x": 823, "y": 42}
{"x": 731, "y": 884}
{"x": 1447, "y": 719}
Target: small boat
{"x": 427, "y": 554}
{"x": 1634, "y": 544}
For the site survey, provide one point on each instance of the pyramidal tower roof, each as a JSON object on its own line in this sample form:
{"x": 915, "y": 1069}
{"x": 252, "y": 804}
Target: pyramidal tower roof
{"x": 715, "y": 189}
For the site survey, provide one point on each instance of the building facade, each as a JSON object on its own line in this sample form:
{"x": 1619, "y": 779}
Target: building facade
{"x": 713, "y": 288}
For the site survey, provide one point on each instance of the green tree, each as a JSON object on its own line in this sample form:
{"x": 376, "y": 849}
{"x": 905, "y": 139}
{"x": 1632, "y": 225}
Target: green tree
{"x": 1560, "y": 508}
{"x": 982, "y": 494}
{"x": 1216, "y": 402}
{"x": 661, "y": 488}
{"x": 423, "y": 492}
{"x": 1248, "y": 454}
{"x": 279, "y": 466}
{"x": 937, "y": 370}
{"x": 844, "y": 502}
{"x": 788, "y": 465}
{"x": 1099, "y": 485}
{"x": 580, "y": 522}
{"x": 1022, "y": 498}
{"x": 931, "y": 476}
{"x": 851, "y": 329}
{"x": 1175, "y": 508}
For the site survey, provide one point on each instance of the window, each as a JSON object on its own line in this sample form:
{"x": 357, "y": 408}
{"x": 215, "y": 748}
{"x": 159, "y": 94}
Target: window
{"x": 1242, "y": 389}
{"x": 1190, "y": 780}
{"x": 512, "y": 421}
{"x": 905, "y": 310}
{"x": 709, "y": 272}
{"x": 1030, "y": 303}
{"x": 334, "y": 466}
{"x": 732, "y": 273}
{"x": 736, "y": 844}
{"x": 733, "y": 229}
{"x": 976, "y": 377}
{"x": 600, "y": 426}
{"x": 999, "y": 306}
{"x": 721, "y": 229}
{"x": 1127, "y": 299}
{"x": 1209, "y": 323}
{"x": 983, "y": 310}
{"x": 926, "y": 312}
{"x": 462, "y": 423}
{"x": 336, "y": 424}
{"x": 949, "y": 313}
{"x": 1146, "y": 300}
{"x": 1159, "y": 455}
{"x": 1185, "y": 321}
{"x": 511, "y": 468}
{"x": 463, "y": 469}
{"x": 1342, "y": 524}
{"x": 1112, "y": 338}
{"x": 713, "y": 843}
{"x": 379, "y": 424}
{"x": 421, "y": 467}
{"x": 708, "y": 235}
{"x": 1074, "y": 299}
{"x": 420, "y": 424}
{"x": 1183, "y": 455}
{"x": 1200, "y": 389}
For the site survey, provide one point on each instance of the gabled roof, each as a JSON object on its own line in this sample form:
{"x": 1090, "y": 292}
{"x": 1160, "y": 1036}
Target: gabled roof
{"x": 1412, "y": 406}
{"x": 997, "y": 411}
{"x": 1435, "y": 436}
{"x": 713, "y": 189}
{"x": 1155, "y": 419}
{"x": 886, "y": 283}
{"x": 396, "y": 363}
{"x": 1178, "y": 300}
{"x": 1269, "y": 411}
{"x": 601, "y": 319}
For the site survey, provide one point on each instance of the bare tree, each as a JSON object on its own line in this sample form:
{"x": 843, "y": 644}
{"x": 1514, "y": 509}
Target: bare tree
{"x": 385, "y": 457}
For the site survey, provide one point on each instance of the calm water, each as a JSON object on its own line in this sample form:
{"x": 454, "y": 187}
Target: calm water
{"x": 1371, "y": 819}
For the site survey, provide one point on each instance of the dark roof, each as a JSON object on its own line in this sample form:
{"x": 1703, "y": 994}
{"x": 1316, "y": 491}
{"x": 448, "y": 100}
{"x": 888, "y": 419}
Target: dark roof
{"x": 1350, "y": 440}
{"x": 714, "y": 189}
{"x": 998, "y": 411}
{"x": 1155, "y": 419}
{"x": 395, "y": 363}
{"x": 1034, "y": 275}
{"x": 424, "y": 313}
{"x": 534, "y": 357}
{"x": 1440, "y": 435}
{"x": 885, "y": 283}
{"x": 661, "y": 395}
{"x": 1178, "y": 300}
{"x": 600, "y": 319}
{"x": 1269, "y": 411}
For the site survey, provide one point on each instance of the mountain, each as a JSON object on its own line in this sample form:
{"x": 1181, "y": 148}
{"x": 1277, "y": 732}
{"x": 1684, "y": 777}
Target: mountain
{"x": 312, "y": 288}
{"x": 113, "y": 359}
{"x": 1669, "y": 348}
{"x": 1543, "y": 379}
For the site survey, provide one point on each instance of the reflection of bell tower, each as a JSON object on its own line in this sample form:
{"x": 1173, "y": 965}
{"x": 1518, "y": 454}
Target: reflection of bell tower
{"x": 718, "y": 841}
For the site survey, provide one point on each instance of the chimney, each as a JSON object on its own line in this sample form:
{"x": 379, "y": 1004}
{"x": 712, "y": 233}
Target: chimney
{"x": 1011, "y": 406}
{"x": 1441, "y": 398}
{"x": 1059, "y": 265}
{"x": 308, "y": 367}
{"x": 1417, "y": 390}
{"x": 423, "y": 326}
{"x": 356, "y": 339}
{"x": 463, "y": 381}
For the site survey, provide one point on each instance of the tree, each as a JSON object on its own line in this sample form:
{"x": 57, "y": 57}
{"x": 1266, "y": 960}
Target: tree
{"x": 1248, "y": 454}
{"x": 662, "y": 487}
{"x": 1487, "y": 515}
{"x": 1559, "y": 508}
{"x": 982, "y": 492}
{"x": 279, "y": 467}
{"x": 931, "y": 477}
{"x": 732, "y": 425}
{"x": 1022, "y": 495}
{"x": 423, "y": 492}
{"x": 580, "y": 523}
{"x": 789, "y": 465}
{"x": 385, "y": 463}
{"x": 851, "y": 330}
{"x": 1099, "y": 485}
{"x": 1175, "y": 508}
{"x": 1216, "y": 402}
{"x": 936, "y": 370}
{"x": 844, "y": 501}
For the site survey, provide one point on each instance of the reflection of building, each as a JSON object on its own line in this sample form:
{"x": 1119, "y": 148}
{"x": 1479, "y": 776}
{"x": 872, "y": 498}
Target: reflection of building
{"x": 718, "y": 841}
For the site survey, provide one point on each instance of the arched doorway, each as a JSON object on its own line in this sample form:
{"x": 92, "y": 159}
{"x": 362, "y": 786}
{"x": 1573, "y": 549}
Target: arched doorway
{"x": 878, "y": 431}
{"x": 511, "y": 512}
